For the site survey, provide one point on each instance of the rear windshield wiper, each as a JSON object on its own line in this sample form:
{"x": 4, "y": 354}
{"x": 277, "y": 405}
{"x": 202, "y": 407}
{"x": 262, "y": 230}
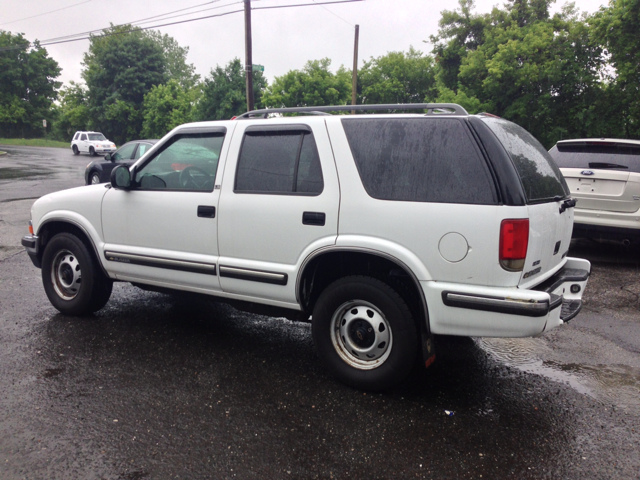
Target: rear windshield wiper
{"x": 606, "y": 165}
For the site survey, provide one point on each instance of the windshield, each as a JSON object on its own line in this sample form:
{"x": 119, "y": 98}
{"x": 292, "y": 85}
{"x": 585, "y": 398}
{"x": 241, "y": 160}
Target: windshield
{"x": 540, "y": 176}
{"x": 96, "y": 137}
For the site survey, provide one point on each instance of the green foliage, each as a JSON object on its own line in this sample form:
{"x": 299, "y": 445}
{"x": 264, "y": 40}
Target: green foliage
{"x": 224, "y": 92}
{"x": 121, "y": 67}
{"x": 34, "y": 142}
{"x": 314, "y": 85}
{"x": 397, "y": 77}
{"x": 175, "y": 60}
{"x": 616, "y": 29}
{"x": 165, "y": 107}
{"x": 73, "y": 111}
{"x": 27, "y": 86}
{"x": 536, "y": 70}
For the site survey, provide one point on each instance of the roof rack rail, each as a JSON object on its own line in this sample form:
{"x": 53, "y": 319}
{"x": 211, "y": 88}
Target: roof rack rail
{"x": 438, "y": 108}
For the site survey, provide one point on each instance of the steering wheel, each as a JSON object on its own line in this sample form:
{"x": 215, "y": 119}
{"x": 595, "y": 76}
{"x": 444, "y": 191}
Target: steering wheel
{"x": 198, "y": 181}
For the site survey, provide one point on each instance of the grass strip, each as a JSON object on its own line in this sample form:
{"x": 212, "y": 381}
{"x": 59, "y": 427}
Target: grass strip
{"x": 33, "y": 142}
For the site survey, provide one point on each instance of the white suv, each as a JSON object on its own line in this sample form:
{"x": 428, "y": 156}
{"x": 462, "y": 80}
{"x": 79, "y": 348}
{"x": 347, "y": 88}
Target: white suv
{"x": 383, "y": 229}
{"x": 93, "y": 143}
{"x": 603, "y": 175}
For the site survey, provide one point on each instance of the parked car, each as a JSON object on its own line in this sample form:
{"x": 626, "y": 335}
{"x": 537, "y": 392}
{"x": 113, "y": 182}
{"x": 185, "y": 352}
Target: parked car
{"x": 381, "y": 229}
{"x": 99, "y": 171}
{"x": 93, "y": 143}
{"x": 604, "y": 177}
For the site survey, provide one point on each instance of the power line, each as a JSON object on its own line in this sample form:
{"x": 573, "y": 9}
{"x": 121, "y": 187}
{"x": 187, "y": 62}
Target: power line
{"x": 46, "y": 13}
{"x": 59, "y": 40}
{"x": 335, "y": 15}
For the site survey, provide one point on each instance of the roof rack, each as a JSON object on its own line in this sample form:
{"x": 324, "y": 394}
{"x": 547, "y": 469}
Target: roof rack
{"x": 431, "y": 108}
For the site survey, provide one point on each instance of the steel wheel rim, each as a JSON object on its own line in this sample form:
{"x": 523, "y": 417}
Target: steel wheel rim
{"x": 361, "y": 335}
{"x": 66, "y": 275}
{"x": 95, "y": 179}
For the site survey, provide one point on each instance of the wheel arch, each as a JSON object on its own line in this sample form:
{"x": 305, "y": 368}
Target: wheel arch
{"x": 327, "y": 265}
{"x": 53, "y": 226}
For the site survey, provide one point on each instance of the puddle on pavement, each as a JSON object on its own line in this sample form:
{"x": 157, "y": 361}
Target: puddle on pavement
{"x": 14, "y": 173}
{"x": 618, "y": 385}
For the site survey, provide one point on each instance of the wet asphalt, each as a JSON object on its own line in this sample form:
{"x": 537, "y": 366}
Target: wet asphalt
{"x": 159, "y": 387}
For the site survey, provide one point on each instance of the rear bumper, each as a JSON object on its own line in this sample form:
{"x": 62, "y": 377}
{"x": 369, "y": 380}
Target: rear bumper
{"x": 469, "y": 310}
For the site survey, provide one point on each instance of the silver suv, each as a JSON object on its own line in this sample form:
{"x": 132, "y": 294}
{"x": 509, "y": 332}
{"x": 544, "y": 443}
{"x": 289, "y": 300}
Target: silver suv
{"x": 382, "y": 230}
{"x": 603, "y": 174}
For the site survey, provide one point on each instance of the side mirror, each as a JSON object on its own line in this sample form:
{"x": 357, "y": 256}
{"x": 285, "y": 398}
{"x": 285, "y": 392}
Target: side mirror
{"x": 108, "y": 157}
{"x": 121, "y": 177}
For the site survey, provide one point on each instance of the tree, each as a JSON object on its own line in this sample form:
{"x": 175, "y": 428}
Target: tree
{"x": 175, "y": 60}
{"x": 73, "y": 111}
{"x": 616, "y": 29}
{"x": 397, "y": 77}
{"x": 165, "y": 107}
{"x": 27, "y": 86}
{"x": 314, "y": 85}
{"x": 224, "y": 92}
{"x": 538, "y": 71}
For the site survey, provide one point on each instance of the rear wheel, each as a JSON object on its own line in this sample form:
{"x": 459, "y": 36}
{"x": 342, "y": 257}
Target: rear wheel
{"x": 72, "y": 278}
{"x": 365, "y": 333}
{"x": 75, "y": 150}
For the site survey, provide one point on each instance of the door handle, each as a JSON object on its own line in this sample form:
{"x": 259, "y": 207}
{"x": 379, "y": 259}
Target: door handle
{"x": 313, "y": 218}
{"x": 206, "y": 211}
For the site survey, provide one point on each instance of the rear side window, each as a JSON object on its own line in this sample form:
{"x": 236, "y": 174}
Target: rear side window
{"x": 419, "y": 160}
{"x": 598, "y": 156}
{"x": 279, "y": 162}
{"x": 540, "y": 176}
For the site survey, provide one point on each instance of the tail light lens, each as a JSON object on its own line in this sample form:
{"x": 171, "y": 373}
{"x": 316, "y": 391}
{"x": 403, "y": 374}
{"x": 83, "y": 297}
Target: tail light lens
{"x": 514, "y": 241}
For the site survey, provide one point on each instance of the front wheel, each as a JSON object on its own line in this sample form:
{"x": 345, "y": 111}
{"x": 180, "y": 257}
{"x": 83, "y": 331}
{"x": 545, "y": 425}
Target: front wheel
{"x": 72, "y": 278}
{"x": 94, "y": 179}
{"x": 92, "y": 152}
{"x": 365, "y": 333}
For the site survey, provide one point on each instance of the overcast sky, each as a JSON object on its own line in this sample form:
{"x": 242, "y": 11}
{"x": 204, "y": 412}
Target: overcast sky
{"x": 283, "y": 39}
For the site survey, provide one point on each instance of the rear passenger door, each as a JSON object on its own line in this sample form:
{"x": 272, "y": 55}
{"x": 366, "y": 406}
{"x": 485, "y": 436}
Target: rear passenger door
{"x": 279, "y": 203}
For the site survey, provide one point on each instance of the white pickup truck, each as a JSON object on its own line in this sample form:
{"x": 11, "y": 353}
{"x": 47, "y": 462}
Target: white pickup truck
{"x": 383, "y": 229}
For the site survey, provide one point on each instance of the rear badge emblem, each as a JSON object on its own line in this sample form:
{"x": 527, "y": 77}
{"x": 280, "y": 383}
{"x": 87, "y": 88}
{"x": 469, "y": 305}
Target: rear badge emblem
{"x": 586, "y": 172}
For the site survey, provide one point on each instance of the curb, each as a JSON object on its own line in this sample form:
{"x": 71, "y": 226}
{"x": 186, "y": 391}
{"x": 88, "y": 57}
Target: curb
{"x": 3, "y": 153}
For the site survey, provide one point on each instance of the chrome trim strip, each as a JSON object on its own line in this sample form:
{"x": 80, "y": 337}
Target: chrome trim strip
{"x": 253, "y": 275}
{"x": 161, "y": 262}
{"x": 495, "y": 304}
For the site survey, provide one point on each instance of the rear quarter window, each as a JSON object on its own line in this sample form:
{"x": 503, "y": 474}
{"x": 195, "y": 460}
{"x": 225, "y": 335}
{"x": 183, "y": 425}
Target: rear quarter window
{"x": 598, "y": 156}
{"x": 419, "y": 160}
{"x": 541, "y": 178}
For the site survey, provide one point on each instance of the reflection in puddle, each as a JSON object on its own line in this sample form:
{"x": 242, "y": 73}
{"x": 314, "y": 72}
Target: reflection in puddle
{"x": 618, "y": 385}
{"x": 13, "y": 173}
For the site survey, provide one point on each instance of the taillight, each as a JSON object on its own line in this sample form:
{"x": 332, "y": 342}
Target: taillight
{"x": 514, "y": 240}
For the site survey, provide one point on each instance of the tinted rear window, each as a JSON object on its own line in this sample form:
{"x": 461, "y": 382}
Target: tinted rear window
{"x": 540, "y": 176}
{"x": 611, "y": 157}
{"x": 419, "y": 160}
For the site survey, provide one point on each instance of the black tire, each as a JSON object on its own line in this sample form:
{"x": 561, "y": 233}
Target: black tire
{"x": 92, "y": 152}
{"x": 72, "y": 278}
{"x": 75, "y": 150}
{"x": 364, "y": 333}
{"x": 94, "y": 178}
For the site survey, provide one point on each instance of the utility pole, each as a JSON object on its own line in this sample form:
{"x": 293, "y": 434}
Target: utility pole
{"x": 248, "y": 67}
{"x": 354, "y": 85}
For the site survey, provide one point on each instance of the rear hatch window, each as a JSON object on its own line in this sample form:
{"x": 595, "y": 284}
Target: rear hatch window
{"x": 541, "y": 178}
{"x": 597, "y": 155}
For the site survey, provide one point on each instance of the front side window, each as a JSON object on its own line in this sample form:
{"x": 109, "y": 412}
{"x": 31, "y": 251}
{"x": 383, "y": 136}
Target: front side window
{"x": 142, "y": 147}
{"x": 419, "y": 160}
{"x": 83, "y": 137}
{"x": 279, "y": 162}
{"x": 124, "y": 153}
{"x": 187, "y": 162}
{"x": 96, "y": 137}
